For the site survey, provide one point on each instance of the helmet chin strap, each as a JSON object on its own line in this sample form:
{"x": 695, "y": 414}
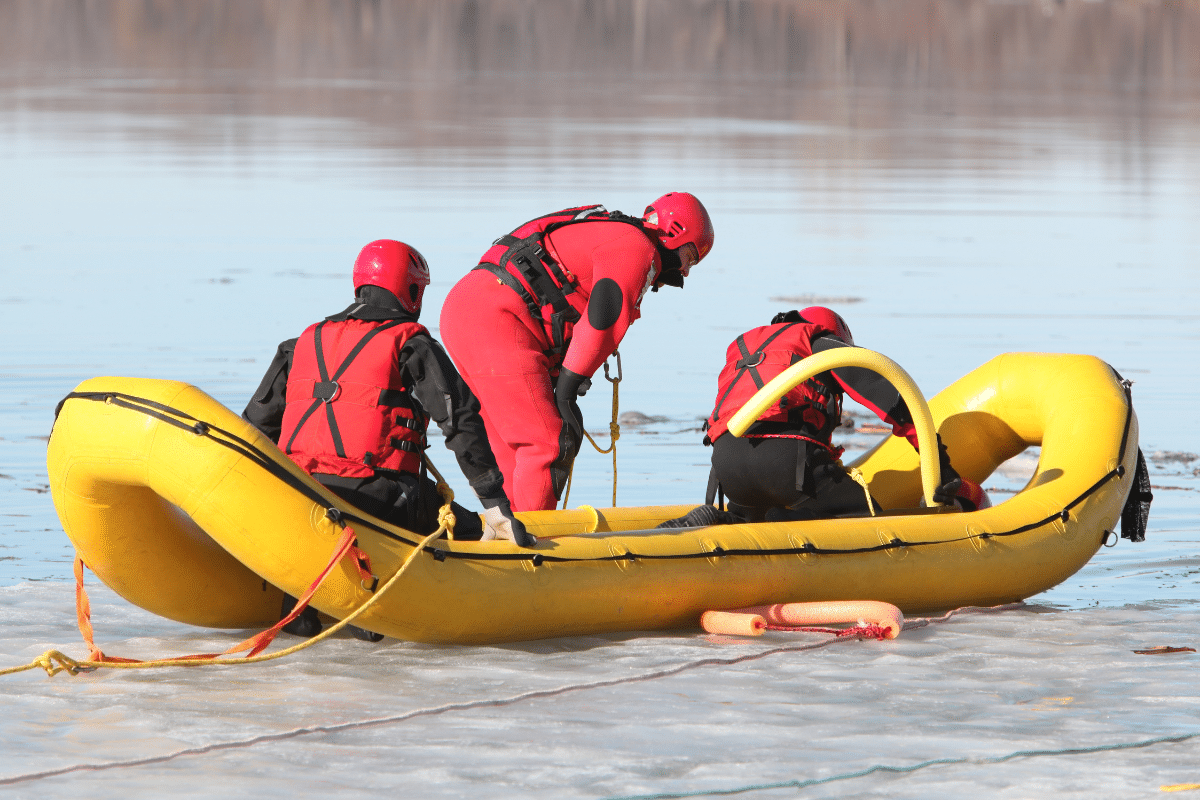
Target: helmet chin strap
{"x": 671, "y": 273}
{"x": 668, "y": 277}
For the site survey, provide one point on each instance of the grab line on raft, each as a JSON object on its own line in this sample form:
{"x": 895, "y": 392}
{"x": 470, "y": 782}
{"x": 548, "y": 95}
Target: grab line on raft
{"x": 245, "y": 448}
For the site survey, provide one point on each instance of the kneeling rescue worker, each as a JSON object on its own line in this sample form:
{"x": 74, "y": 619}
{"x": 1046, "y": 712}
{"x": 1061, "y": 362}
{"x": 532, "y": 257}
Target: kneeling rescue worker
{"x": 547, "y": 304}
{"x": 785, "y": 467}
{"x": 350, "y": 400}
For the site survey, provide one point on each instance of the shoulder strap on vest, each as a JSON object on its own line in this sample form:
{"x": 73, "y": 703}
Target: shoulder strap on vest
{"x": 327, "y": 389}
{"x": 749, "y": 363}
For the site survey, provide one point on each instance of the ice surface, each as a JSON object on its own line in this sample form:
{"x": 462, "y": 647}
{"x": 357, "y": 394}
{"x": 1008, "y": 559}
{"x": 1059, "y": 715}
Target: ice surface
{"x": 1008, "y": 701}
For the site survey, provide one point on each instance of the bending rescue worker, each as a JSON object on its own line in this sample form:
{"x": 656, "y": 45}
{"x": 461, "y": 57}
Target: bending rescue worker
{"x": 785, "y": 466}
{"x": 350, "y": 401}
{"x": 546, "y": 306}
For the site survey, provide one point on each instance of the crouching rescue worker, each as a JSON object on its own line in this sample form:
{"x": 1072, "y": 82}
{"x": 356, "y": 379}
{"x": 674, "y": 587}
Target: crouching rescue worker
{"x": 785, "y": 466}
{"x": 350, "y": 400}
{"x": 547, "y": 304}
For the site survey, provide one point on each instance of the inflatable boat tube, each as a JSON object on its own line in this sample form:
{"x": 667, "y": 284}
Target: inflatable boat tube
{"x": 186, "y": 510}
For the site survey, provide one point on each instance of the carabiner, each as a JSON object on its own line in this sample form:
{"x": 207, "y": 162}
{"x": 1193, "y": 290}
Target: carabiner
{"x": 617, "y": 379}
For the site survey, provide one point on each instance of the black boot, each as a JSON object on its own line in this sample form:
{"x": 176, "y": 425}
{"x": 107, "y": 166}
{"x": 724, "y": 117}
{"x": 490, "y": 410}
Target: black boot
{"x": 307, "y": 624}
{"x": 702, "y": 516}
{"x": 364, "y": 634}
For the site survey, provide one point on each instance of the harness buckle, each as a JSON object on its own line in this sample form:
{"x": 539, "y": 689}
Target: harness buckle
{"x": 744, "y": 364}
{"x": 326, "y": 391}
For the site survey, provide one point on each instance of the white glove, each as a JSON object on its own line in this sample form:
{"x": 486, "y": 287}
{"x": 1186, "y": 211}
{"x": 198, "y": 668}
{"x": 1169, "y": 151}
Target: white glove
{"x": 499, "y": 523}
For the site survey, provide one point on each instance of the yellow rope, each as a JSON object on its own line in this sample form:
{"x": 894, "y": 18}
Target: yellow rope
{"x": 614, "y": 432}
{"x": 445, "y": 515}
{"x": 857, "y": 476}
{"x": 55, "y": 662}
{"x": 570, "y": 477}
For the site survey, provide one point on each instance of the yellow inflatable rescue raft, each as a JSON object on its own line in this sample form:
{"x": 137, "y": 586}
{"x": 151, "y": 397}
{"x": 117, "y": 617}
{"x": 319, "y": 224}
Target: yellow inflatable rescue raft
{"x": 186, "y": 510}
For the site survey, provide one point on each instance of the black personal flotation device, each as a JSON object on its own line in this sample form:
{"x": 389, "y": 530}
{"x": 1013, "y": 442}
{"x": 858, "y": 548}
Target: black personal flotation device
{"x": 521, "y": 261}
{"x": 810, "y": 411}
{"x": 347, "y": 411}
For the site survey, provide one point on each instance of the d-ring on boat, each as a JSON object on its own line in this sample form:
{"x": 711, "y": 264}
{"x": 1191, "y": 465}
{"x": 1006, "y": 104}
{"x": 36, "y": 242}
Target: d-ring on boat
{"x": 186, "y": 510}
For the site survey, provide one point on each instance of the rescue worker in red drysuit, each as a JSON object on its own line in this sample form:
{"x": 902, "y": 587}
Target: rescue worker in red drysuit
{"x": 546, "y": 306}
{"x": 785, "y": 467}
{"x": 350, "y": 400}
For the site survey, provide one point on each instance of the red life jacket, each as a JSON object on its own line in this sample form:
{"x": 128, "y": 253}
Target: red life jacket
{"x": 809, "y": 411}
{"x": 521, "y": 261}
{"x": 347, "y": 412}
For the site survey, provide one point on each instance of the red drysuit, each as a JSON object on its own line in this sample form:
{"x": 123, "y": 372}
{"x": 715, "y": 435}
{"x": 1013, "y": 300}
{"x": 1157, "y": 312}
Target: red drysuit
{"x": 507, "y": 358}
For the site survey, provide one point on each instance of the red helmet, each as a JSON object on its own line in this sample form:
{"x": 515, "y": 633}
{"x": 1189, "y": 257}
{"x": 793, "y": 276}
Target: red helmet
{"x": 830, "y": 319}
{"x": 396, "y": 267}
{"x": 681, "y": 219}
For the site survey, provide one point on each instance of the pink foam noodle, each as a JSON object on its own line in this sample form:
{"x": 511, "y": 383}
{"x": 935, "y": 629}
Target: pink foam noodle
{"x": 733, "y": 623}
{"x": 884, "y": 615}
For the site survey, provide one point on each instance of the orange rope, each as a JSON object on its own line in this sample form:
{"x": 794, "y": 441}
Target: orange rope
{"x": 256, "y": 643}
{"x": 860, "y": 631}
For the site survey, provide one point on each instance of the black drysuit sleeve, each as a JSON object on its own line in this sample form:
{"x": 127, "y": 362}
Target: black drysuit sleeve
{"x": 265, "y": 409}
{"x": 872, "y": 390}
{"x": 449, "y": 402}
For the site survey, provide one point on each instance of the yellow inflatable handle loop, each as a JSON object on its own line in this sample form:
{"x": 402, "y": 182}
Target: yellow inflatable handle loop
{"x": 798, "y": 373}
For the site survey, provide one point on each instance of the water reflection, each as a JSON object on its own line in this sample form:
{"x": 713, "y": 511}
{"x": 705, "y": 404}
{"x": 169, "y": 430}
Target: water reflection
{"x": 430, "y": 73}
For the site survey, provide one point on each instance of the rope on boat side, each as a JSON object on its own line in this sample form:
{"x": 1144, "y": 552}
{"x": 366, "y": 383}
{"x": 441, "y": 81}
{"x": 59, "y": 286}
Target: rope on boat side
{"x": 54, "y": 662}
{"x": 241, "y": 446}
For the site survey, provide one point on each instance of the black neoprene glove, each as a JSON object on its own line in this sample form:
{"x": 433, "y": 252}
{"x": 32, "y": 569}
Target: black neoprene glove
{"x": 570, "y": 386}
{"x": 944, "y": 494}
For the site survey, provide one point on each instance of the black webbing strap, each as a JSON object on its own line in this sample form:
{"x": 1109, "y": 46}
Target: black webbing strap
{"x": 535, "y": 266}
{"x": 326, "y": 391}
{"x": 506, "y": 277}
{"x": 748, "y": 363}
{"x": 545, "y": 292}
{"x": 187, "y": 422}
{"x": 1136, "y": 513}
{"x": 548, "y": 281}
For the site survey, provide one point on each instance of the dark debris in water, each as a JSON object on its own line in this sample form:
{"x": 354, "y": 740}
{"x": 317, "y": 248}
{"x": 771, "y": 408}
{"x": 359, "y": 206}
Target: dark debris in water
{"x": 1164, "y": 650}
{"x": 634, "y": 419}
{"x": 815, "y": 300}
{"x": 1172, "y": 457}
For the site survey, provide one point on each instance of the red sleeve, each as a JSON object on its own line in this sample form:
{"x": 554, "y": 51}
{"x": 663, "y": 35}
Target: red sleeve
{"x": 617, "y": 264}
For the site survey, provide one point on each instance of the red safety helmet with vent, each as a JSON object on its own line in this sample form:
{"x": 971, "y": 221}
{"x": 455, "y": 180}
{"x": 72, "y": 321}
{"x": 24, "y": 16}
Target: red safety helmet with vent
{"x": 396, "y": 267}
{"x": 829, "y": 319}
{"x": 680, "y": 219}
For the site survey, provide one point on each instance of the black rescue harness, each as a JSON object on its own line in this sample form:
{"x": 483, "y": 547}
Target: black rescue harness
{"x": 524, "y": 254}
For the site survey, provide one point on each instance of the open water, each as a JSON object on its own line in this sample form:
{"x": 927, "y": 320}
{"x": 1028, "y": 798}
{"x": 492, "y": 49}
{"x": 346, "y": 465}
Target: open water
{"x": 186, "y": 184}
